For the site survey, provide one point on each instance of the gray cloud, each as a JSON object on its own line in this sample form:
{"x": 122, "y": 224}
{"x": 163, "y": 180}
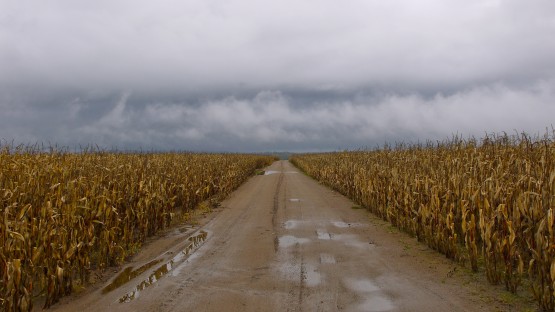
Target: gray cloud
{"x": 271, "y": 120}
{"x": 247, "y": 75}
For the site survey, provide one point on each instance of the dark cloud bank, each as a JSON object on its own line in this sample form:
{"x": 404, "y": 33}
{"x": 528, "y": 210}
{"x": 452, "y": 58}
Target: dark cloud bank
{"x": 250, "y": 76}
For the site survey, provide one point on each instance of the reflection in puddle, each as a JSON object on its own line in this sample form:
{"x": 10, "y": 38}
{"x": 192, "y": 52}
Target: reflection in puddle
{"x": 290, "y": 270}
{"x": 322, "y": 234}
{"x": 268, "y": 172}
{"x": 127, "y": 275}
{"x": 376, "y": 304}
{"x": 185, "y": 229}
{"x": 327, "y": 259}
{"x": 374, "y": 300}
{"x": 292, "y": 224}
{"x": 289, "y": 240}
{"x": 361, "y": 285}
{"x": 177, "y": 268}
{"x": 271, "y": 172}
{"x": 195, "y": 241}
{"x": 341, "y": 224}
{"x": 311, "y": 275}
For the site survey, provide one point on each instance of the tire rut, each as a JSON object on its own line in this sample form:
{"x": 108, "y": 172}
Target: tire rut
{"x": 275, "y": 207}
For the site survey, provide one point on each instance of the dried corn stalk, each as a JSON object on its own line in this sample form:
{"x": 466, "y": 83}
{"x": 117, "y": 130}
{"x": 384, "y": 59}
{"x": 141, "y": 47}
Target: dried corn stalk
{"x": 63, "y": 214}
{"x": 491, "y": 200}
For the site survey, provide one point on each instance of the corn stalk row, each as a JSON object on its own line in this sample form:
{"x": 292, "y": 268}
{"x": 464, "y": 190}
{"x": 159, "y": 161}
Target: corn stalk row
{"x": 63, "y": 215}
{"x": 489, "y": 203}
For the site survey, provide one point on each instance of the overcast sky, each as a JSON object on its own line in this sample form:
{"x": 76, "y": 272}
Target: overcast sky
{"x": 314, "y": 75}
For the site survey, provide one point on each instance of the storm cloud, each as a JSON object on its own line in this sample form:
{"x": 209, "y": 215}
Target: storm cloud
{"x": 290, "y": 75}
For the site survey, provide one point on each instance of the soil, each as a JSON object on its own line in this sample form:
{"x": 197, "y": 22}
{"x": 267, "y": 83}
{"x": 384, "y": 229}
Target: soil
{"x": 283, "y": 242}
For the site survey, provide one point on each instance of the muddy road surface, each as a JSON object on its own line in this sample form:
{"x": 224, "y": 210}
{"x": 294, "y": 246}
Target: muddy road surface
{"x": 283, "y": 242}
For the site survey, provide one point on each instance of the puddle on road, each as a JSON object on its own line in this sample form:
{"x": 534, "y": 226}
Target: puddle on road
{"x": 376, "y": 304}
{"x": 323, "y": 234}
{"x": 291, "y": 270}
{"x": 327, "y": 259}
{"x": 293, "y": 224}
{"x": 269, "y": 172}
{"x": 127, "y": 275}
{"x": 341, "y": 224}
{"x": 295, "y": 200}
{"x": 312, "y": 276}
{"x": 195, "y": 241}
{"x": 374, "y": 300}
{"x": 361, "y": 285}
{"x": 352, "y": 240}
{"x": 289, "y": 240}
{"x": 186, "y": 228}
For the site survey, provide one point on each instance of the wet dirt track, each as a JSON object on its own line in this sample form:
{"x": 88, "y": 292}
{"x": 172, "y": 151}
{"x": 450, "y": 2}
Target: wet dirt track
{"x": 282, "y": 242}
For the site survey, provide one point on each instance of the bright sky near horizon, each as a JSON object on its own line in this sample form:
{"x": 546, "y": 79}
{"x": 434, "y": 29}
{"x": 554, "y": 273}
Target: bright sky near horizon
{"x": 314, "y": 75}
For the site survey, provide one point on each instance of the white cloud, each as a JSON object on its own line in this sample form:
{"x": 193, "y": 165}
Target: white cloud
{"x": 349, "y": 74}
{"x": 211, "y": 44}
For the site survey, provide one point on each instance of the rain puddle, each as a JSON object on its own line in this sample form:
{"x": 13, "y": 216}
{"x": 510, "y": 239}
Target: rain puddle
{"x": 294, "y": 200}
{"x": 293, "y": 224}
{"x": 311, "y": 276}
{"x": 185, "y": 229}
{"x": 271, "y": 172}
{"x": 127, "y": 275}
{"x": 195, "y": 241}
{"x": 373, "y": 298}
{"x": 341, "y": 224}
{"x": 376, "y": 304}
{"x": 323, "y": 234}
{"x": 327, "y": 259}
{"x": 289, "y": 240}
{"x": 268, "y": 172}
{"x": 178, "y": 268}
{"x": 361, "y": 285}
{"x": 353, "y": 241}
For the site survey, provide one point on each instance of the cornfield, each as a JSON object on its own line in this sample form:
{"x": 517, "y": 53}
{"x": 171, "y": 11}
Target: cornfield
{"x": 487, "y": 202}
{"x": 63, "y": 215}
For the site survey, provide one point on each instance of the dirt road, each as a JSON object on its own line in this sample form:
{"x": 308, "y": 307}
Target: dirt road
{"x": 282, "y": 242}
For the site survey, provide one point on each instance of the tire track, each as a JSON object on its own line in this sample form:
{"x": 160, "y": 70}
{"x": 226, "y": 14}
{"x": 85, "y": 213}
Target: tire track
{"x": 275, "y": 208}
